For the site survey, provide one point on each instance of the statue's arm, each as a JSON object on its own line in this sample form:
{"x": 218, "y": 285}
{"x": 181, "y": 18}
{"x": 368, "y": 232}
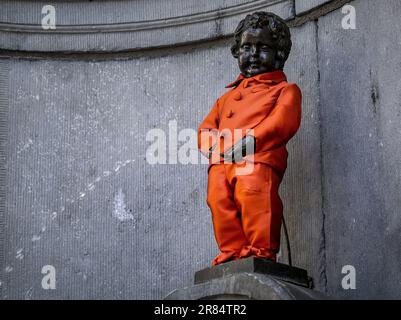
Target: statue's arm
{"x": 208, "y": 131}
{"x": 282, "y": 123}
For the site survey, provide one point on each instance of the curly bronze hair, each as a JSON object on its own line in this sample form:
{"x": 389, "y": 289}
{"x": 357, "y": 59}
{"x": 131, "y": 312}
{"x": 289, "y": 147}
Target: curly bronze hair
{"x": 277, "y": 27}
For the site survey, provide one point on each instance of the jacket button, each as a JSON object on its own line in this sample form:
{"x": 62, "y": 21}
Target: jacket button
{"x": 237, "y": 95}
{"x": 230, "y": 114}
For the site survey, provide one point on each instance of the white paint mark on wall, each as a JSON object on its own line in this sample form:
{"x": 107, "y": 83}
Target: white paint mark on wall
{"x": 38, "y": 236}
{"x": 8, "y": 269}
{"x": 20, "y": 254}
{"x": 35, "y": 238}
{"x": 25, "y": 146}
{"x": 119, "y": 206}
{"x": 120, "y": 211}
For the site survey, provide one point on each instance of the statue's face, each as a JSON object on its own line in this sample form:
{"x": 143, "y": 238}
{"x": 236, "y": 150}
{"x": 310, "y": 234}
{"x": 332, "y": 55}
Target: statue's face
{"x": 257, "y": 52}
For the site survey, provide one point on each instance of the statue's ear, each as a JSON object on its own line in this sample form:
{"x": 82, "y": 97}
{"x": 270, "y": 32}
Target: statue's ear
{"x": 234, "y": 51}
{"x": 279, "y": 59}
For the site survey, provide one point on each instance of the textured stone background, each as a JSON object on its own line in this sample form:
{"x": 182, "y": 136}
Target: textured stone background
{"x": 79, "y": 195}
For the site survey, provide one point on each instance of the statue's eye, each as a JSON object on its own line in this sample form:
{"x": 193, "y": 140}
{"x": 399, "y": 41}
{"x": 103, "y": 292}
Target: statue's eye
{"x": 265, "y": 48}
{"x": 246, "y": 46}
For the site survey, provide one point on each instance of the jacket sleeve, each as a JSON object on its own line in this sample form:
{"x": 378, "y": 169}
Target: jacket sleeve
{"x": 208, "y": 129}
{"x": 282, "y": 123}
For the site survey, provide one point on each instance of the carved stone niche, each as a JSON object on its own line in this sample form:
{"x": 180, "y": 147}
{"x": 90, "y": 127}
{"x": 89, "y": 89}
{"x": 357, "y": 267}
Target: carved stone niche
{"x": 115, "y": 26}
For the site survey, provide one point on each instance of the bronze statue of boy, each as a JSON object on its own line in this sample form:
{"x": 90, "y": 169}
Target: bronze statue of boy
{"x": 246, "y": 208}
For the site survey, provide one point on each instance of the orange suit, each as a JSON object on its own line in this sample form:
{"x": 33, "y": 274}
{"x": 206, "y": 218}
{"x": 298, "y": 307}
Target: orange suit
{"x": 247, "y": 209}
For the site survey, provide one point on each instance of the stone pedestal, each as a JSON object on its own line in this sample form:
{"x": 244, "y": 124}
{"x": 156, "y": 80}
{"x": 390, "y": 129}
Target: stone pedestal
{"x": 249, "y": 279}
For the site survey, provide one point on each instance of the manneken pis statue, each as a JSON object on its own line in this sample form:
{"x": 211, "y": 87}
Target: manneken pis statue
{"x": 250, "y": 125}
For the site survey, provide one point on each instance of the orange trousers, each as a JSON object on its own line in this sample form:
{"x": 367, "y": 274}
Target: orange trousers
{"x": 246, "y": 211}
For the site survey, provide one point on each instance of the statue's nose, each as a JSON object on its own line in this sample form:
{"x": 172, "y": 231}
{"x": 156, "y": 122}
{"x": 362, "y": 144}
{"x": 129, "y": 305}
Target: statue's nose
{"x": 254, "y": 51}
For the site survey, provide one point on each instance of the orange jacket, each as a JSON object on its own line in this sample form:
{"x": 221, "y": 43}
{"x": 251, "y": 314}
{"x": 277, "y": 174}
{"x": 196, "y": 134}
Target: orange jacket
{"x": 266, "y": 103}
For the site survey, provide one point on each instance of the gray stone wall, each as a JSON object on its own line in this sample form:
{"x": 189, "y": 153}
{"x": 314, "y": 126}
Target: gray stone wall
{"x": 76, "y": 189}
